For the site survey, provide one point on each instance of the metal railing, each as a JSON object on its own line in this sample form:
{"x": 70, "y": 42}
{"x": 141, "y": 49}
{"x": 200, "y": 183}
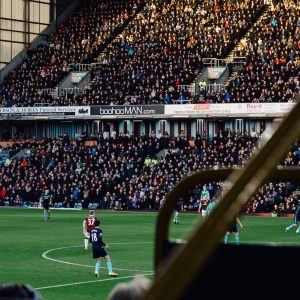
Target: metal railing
{"x": 217, "y": 88}
{"x": 51, "y": 91}
{"x": 41, "y": 104}
{"x": 237, "y": 61}
{"x": 85, "y": 67}
{"x": 217, "y": 62}
{"x": 70, "y": 91}
{"x": 178, "y": 101}
{"x": 48, "y": 91}
{"x": 213, "y": 62}
{"x": 187, "y": 88}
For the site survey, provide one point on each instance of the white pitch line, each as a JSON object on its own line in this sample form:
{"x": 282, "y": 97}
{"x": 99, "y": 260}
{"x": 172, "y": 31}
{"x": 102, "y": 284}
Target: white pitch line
{"x": 44, "y": 255}
{"x": 91, "y": 281}
{"x": 270, "y": 243}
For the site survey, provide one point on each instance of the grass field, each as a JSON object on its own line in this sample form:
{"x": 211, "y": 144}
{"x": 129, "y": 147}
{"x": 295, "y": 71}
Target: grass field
{"x": 50, "y": 257}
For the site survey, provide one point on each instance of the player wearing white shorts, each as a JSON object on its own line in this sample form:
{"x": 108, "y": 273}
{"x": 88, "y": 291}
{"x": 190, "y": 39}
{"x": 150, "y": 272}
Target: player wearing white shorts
{"x": 88, "y": 225}
{"x": 203, "y": 205}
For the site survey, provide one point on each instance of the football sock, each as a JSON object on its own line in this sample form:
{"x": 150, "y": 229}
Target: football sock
{"x": 298, "y": 229}
{"x": 109, "y": 266}
{"x": 237, "y": 240}
{"x": 48, "y": 215}
{"x": 86, "y": 243}
{"x": 45, "y": 216}
{"x": 226, "y": 239}
{"x": 97, "y": 268}
{"x": 290, "y": 227}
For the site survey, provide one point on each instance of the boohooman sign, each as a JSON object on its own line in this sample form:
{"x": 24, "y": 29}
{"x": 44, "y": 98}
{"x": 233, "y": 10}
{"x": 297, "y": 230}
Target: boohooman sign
{"x": 133, "y": 110}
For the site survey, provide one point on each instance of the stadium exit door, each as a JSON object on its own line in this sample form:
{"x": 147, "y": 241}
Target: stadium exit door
{"x": 214, "y": 126}
{"x": 101, "y": 126}
{"x": 137, "y": 124}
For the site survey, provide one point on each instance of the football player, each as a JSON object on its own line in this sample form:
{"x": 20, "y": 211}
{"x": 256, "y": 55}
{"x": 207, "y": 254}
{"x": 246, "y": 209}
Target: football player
{"x": 88, "y": 225}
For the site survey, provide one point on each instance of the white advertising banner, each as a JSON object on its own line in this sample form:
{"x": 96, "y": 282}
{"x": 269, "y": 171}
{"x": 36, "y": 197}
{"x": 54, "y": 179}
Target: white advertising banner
{"x": 233, "y": 110}
{"x": 46, "y": 111}
{"x": 230, "y": 109}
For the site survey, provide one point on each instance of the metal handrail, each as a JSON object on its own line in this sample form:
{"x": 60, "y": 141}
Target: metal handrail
{"x": 177, "y": 101}
{"x": 217, "y": 62}
{"x": 42, "y": 104}
{"x": 187, "y": 87}
{"x": 213, "y": 62}
{"x": 216, "y": 87}
{"x": 51, "y": 91}
{"x": 85, "y": 67}
{"x": 66, "y": 91}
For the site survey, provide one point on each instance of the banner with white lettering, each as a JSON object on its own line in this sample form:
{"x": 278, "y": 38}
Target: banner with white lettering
{"x": 230, "y": 109}
{"x": 181, "y": 110}
{"x": 126, "y": 110}
{"x": 45, "y": 111}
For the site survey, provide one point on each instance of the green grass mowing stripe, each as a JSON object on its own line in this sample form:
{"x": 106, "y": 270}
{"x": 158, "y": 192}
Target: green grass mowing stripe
{"x": 25, "y": 236}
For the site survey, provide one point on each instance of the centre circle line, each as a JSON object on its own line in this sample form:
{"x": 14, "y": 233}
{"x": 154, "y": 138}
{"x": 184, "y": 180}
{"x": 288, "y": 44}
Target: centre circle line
{"x": 45, "y": 255}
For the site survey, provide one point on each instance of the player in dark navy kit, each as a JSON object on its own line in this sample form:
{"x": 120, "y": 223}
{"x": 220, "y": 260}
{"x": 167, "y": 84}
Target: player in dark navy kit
{"x": 296, "y": 219}
{"x": 234, "y": 229}
{"x": 88, "y": 225}
{"x": 99, "y": 250}
{"x": 46, "y": 201}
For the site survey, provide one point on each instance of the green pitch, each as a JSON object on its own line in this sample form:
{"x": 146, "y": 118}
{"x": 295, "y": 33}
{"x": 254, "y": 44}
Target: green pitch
{"x": 50, "y": 257}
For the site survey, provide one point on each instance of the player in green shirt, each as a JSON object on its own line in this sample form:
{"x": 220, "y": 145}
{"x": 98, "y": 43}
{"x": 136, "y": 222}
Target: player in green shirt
{"x": 211, "y": 206}
{"x": 176, "y": 217}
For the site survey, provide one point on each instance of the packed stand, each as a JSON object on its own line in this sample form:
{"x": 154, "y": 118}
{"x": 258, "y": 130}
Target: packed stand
{"x": 272, "y": 69}
{"x": 79, "y": 40}
{"x": 121, "y": 171}
{"x": 160, "y": 50}
{"x": 163, "y": 47}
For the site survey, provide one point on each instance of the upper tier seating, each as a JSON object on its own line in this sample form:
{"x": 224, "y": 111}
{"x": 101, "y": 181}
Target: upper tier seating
{"x": 161, "y": 49}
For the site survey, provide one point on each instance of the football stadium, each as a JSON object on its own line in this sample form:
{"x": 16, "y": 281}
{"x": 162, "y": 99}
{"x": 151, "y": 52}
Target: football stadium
{"x": 149, "y": 149}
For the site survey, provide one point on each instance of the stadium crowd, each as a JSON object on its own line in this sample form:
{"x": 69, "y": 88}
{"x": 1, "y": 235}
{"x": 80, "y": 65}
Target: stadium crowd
{"x": 76, "y": 41}
{"x": 163, "y": 48}
{"x": 272, "y": 52}
{"x": 126, "y": 172}
{"x": 160, "y": 50}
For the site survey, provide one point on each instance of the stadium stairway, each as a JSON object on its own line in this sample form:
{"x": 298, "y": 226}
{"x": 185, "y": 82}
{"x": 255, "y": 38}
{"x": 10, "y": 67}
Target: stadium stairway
{"x": 65, "y": 86}
{"x": 22, "y": 153}
{"x": 230, "y": 59}
{"x": 244, "y": 41}
{"x": 68, "y": 83}
{"x": 103, "y": 52}
{"x": 204, "y": 76}
{"x": 230, "y": 73}
{"x": 4, "y": 156}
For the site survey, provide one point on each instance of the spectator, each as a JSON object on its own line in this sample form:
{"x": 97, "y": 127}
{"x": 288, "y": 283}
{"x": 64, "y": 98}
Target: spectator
{"x": 129, "y": 172}
{"x": 159, "y": 51}
{"x": 18, "y": 291}
{"x": 134, "y": 290}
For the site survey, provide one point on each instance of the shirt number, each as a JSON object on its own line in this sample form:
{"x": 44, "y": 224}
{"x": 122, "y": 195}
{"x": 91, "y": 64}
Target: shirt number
{"x": 91, "y": 222}
{"x": 94, "y": 237}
